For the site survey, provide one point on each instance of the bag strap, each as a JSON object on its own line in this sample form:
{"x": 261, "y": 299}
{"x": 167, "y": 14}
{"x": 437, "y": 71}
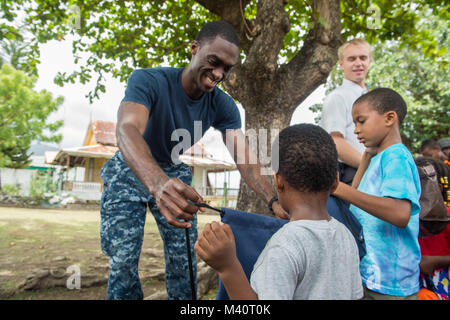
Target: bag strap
{"x": 344, "y": 213}
{"x": 191, "y": 268}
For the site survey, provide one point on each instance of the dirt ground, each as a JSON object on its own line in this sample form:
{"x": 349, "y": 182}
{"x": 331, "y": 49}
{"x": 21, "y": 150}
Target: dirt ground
{"x": 56, "y": 239}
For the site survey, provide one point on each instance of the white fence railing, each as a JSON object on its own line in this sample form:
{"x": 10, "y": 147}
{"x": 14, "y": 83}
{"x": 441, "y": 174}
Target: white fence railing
{"x": 92, "y": 191}
{"x": 86, "y": 186}
{"x": 83, "y": 190}
{"x": 208, "y": 191}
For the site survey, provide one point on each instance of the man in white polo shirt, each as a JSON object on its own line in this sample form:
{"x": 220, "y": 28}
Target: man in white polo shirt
{"x": 354, "y": 60}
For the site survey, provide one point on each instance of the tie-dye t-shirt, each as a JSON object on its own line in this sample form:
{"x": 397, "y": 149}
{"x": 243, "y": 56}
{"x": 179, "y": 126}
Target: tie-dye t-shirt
{"x": 391, "y": 265}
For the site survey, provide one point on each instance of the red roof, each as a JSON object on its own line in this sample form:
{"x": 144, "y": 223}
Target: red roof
{"x": 104, "y": 132}
{"x": 198, "y": 150}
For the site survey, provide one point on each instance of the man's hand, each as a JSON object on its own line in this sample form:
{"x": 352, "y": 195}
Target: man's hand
{"x": 279, "y": 212}
{"x": 370, "y": 152}
{"x": 216, "y": 246}
{"x": 171, "y": 199}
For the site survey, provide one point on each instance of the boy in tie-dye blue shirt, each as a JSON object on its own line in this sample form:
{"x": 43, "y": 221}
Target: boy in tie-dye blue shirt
{"x": 391, "y": 265}
{"x": 385, "y": 198}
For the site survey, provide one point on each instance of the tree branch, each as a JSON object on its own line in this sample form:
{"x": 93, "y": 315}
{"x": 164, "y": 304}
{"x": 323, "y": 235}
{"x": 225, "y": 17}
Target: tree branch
{"x": 230, "y": 11}
{"x": 312, "y": 64}
{"x": 215, "y": 6}
{"x": 255, "y": 77}
{"x": 272, "y": 24}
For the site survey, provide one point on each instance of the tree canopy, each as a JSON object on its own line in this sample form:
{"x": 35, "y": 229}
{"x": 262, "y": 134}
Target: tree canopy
{"x": 141, "y": 34}
{"x": 16, "y": 52}
{"x": 288, "y": 48}
{"x": 23, "y": 114}
{"x": 422, "y": 82}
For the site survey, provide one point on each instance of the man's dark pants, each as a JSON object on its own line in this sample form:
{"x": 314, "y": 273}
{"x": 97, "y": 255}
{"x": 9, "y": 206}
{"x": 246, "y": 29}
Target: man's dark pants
{"x": 123, "y": 210}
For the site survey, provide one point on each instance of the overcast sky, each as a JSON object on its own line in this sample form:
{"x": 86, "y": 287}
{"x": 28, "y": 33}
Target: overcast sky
{"x": 77, "y": 112}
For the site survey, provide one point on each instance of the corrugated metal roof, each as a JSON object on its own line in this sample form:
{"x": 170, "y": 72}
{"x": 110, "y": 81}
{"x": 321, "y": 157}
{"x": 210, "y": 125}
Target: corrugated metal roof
{"x": 198, "y": 150}
{"x": 207, "y": 162}
{"x": 196, "y": 156}
{"x": 94, "y": 151}
{"x": 104, "y": 132}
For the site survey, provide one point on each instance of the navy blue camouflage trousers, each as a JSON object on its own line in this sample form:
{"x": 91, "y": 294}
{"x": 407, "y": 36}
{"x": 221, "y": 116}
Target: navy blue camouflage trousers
{"x": 123, "y": 210}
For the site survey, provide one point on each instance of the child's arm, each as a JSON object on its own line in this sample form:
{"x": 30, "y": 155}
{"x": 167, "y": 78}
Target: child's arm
{"x": 394, "y": 211}
{"x": 216, "y": 246}
{"x": 430, "y": 263}
{"x": 363, "y": 165}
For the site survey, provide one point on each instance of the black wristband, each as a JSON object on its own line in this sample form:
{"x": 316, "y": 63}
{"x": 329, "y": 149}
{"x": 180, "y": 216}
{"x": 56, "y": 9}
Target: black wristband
{"x": 271, "y": 203}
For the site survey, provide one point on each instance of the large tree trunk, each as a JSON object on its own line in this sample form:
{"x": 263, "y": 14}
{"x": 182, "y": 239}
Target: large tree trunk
{"x": 268, "y": 91}
{"x": 271, "y": 123}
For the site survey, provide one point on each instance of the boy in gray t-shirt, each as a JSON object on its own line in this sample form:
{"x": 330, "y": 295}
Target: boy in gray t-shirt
{"x": 309, "y": 260}
{"x": 313, "y": 256}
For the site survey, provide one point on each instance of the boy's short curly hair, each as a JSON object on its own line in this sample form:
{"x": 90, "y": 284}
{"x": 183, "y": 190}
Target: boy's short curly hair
{"x": 307, "y": 157}
{"x": 384, "y": 100}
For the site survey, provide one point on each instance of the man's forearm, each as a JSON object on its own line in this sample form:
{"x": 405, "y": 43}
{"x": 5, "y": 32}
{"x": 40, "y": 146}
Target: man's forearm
{"x": 139, "y": 158}
{"x": 347, "y": 154}
{"x": 248, "y": 165}
{"x": 251, "y": 173}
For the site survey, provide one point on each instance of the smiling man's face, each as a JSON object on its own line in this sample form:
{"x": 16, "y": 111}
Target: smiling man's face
{"x": 355, "y": 62}
{"x": 211, "y": 62}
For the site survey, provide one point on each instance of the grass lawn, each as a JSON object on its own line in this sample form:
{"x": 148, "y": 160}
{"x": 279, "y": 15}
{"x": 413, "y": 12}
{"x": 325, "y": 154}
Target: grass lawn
{"x": 53, "y": 239}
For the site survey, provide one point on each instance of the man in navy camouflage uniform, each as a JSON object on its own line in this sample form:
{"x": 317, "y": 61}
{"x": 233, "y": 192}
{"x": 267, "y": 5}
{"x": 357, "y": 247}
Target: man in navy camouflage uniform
{"x": 160, "y": 105}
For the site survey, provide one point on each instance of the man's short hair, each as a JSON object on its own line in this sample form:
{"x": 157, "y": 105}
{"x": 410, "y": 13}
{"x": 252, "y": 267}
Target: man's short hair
{"x": 428, "y": 144}
{"x": 444, "y": 143}
{"x": 384, "y": 100}
{"x": 308, "y": 159}
{"x": 355, "y": 42}
{"x": 214, "y": 29}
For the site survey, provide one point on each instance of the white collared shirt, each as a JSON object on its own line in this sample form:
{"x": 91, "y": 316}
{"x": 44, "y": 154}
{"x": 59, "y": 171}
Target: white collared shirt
{"x": 337, "y": 112}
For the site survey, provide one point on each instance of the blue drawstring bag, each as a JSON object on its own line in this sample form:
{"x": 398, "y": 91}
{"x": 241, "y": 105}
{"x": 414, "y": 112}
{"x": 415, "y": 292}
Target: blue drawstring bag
{"x": 252, "y": 231}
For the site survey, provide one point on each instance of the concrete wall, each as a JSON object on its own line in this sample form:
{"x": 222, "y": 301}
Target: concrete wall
{"x": 20, "y": 178}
